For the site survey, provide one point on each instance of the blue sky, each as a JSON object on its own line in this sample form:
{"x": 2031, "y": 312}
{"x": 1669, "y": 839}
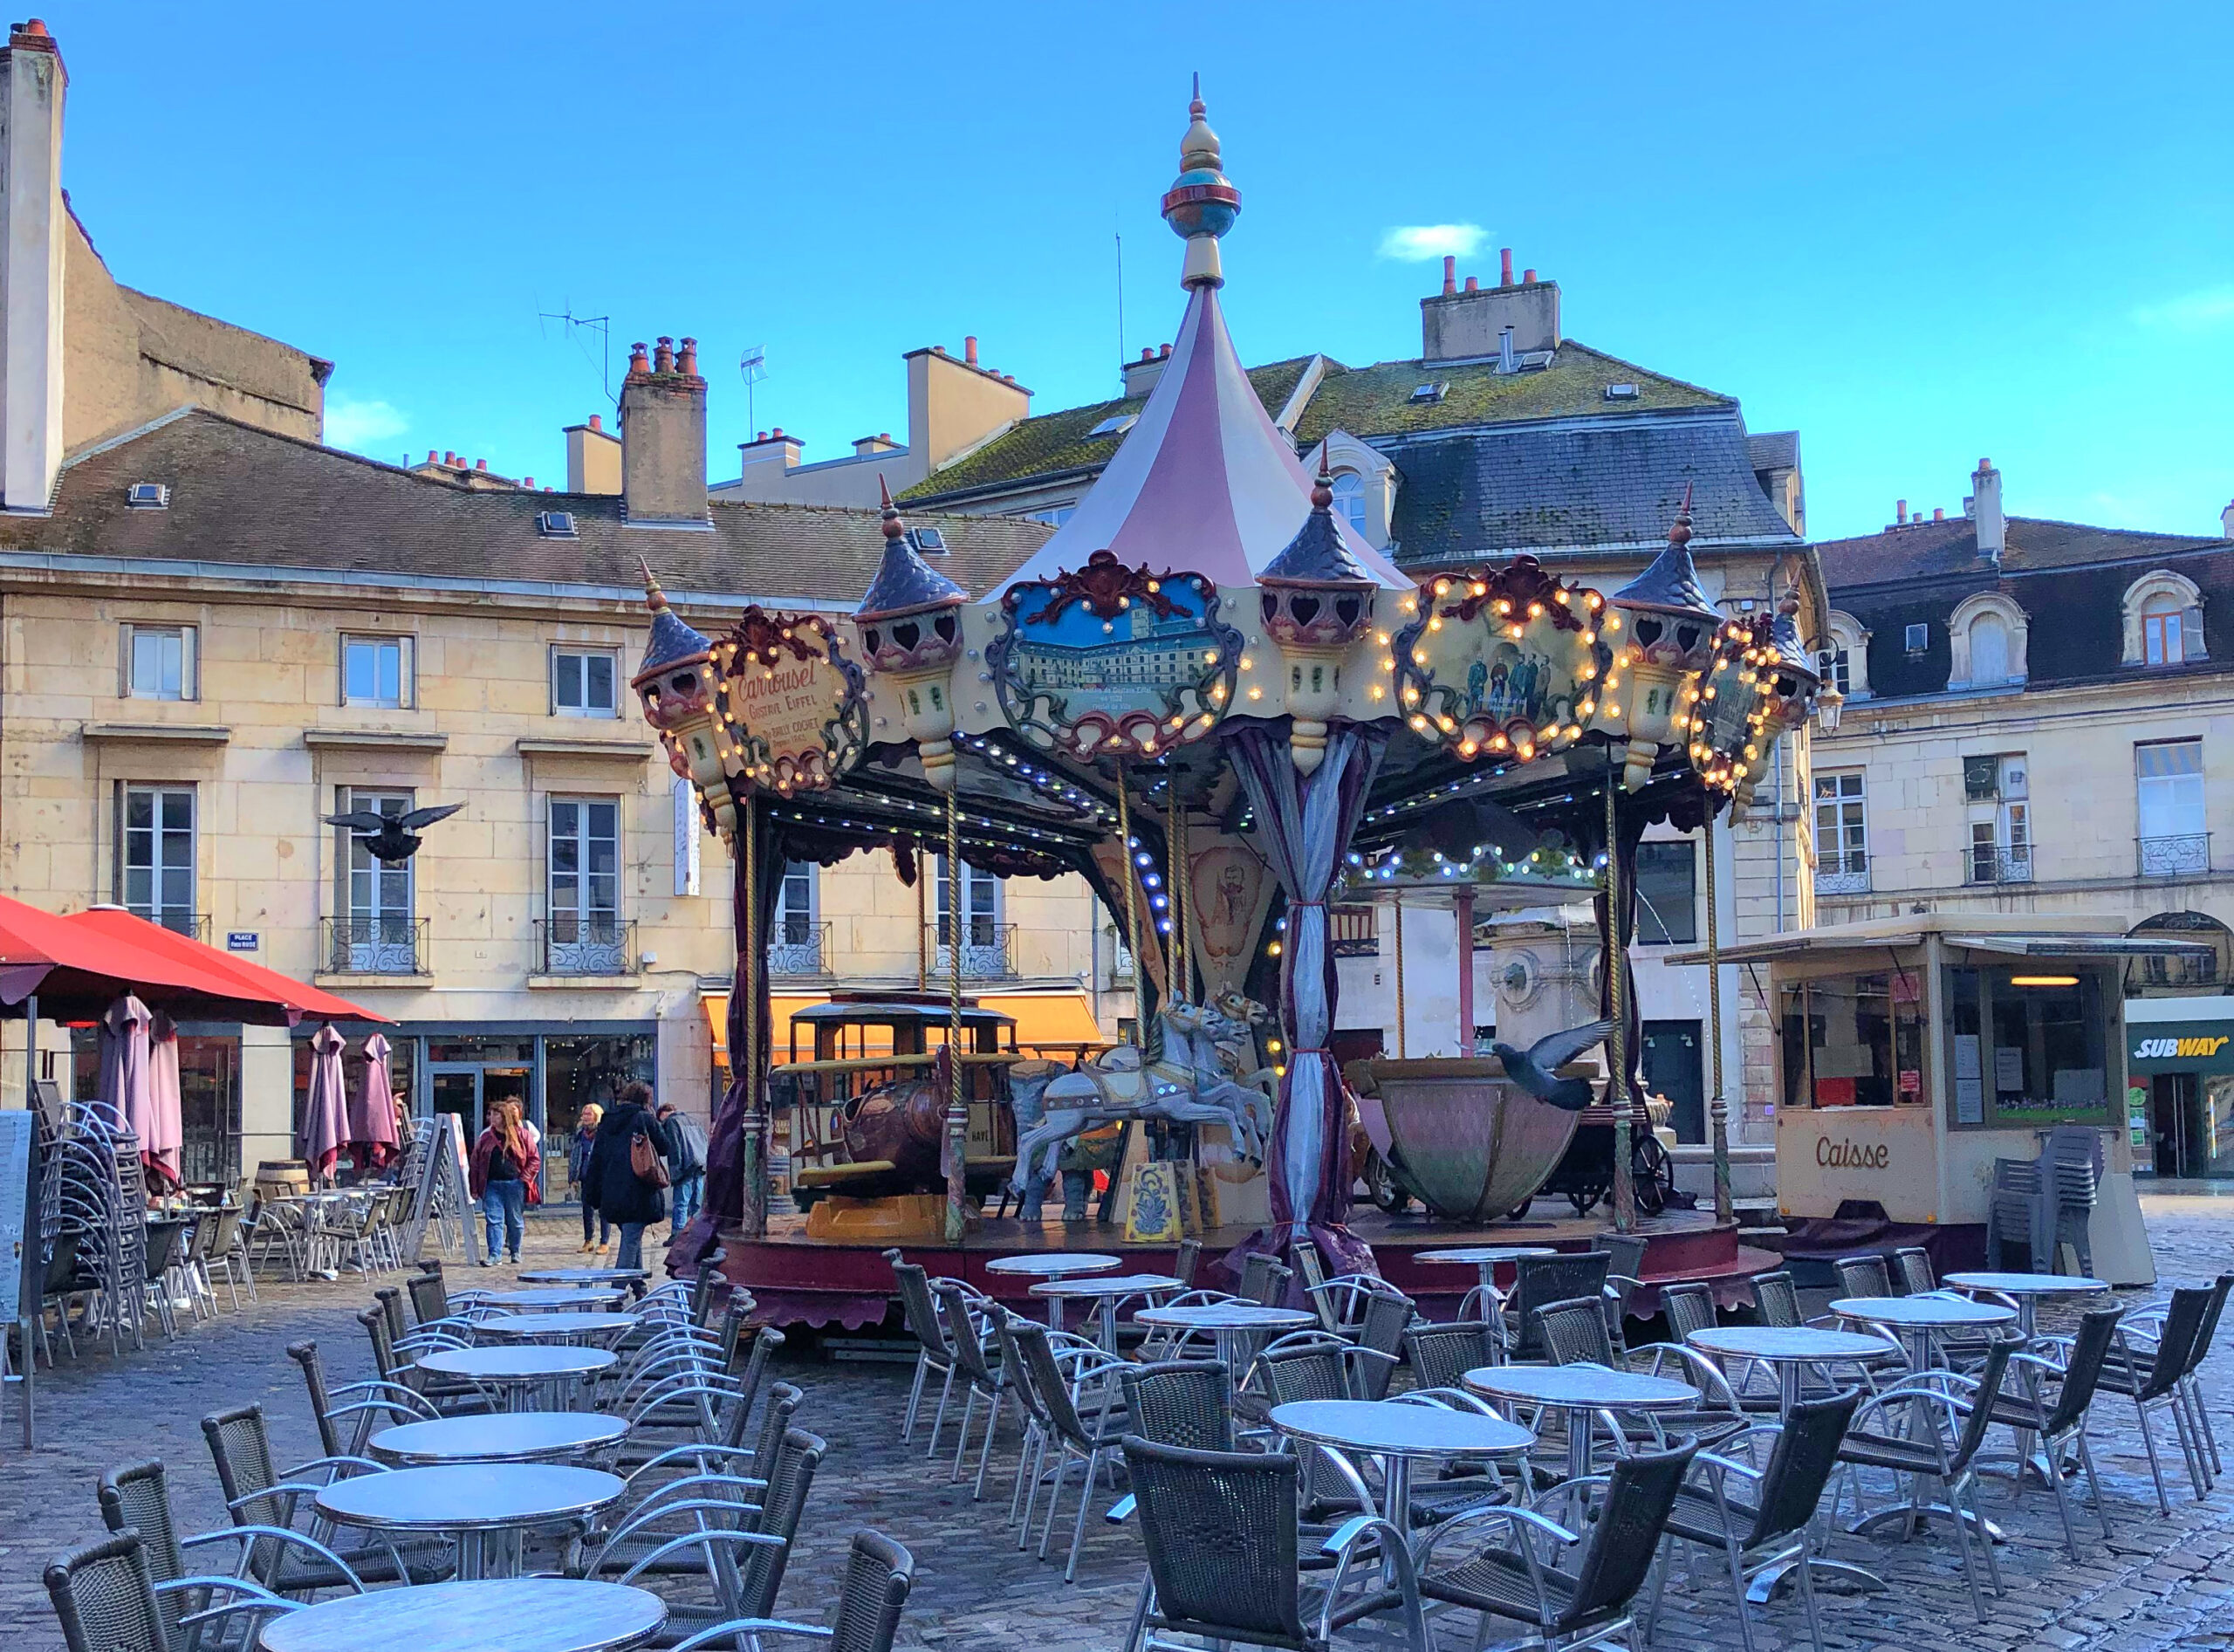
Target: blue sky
{"x": 1920, "y": 234}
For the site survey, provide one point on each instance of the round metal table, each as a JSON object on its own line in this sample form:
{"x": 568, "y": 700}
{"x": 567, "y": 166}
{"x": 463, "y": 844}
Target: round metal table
{"x": 1104, "y": 1291}
{"x": 1915, "y": 1319}
{"x": 521, "y": 1614}
{"x": 559, "y": 1326}
{"x": 508, "y": 1437}
{"x": 2026, "y": 1289}
{"x": 1789, "y": 1349}
{"x": 1398, "y": 1434}
{"x": 1487, "y": 1258}
{"x": 473, "y": 1502}
{"x": 1232, "y": 1322}
{"x": 519, "y": 1371}
{"x": 546, "y": 1297}
{"x": 1053, "y": 1265}
{"x": 584, "y": 1276}
{"x": 1579, "y": 1391}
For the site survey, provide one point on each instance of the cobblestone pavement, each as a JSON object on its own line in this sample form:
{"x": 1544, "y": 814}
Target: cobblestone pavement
{"x": 2158, "y": 1582}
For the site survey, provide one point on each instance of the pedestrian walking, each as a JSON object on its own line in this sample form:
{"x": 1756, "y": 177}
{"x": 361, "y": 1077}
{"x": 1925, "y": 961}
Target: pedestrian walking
{"x": 578, "y": 1176}
{"x": 627, "y": 1170}
{"x": 686, "y": 1163}
{"x": 504, "y": 1174}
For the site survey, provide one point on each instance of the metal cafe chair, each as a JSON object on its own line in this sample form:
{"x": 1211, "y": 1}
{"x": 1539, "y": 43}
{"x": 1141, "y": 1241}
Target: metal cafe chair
{"x": 389, "y": 1402}
{"x": 135, "y": 1501}
{"x": 106, "y": 1598}
{"x": 879, "y": 1575}
{"x": 2151, "y": 1378}
{"x": 2058, "y": 1420}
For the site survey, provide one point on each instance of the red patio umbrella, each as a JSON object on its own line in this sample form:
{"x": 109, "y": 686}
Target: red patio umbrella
{"x": 372, "y": 1137}
{"x": 76, "y": 970}
{"x": 251, "y": 979}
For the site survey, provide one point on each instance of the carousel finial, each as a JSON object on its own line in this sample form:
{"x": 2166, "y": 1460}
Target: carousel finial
{"x": 893, "y": 527}
{"x": 1201, "y": 204}
{"x": 654, "y": 599}
{"x": 1679, "y": 534}
{"x": 1322, "y": 489}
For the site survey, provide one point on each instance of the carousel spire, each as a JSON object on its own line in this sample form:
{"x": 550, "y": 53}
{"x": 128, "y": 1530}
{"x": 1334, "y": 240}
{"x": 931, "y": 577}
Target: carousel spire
{"x": 904, "y": 581}
{"x": 673, "y": 638}
{"x": 1202, "y": 203}
{"x": 910, "y": 623}
{"x": 1316, "y": 601}
{"x": 1670, "y": 640}
{"x": 676, "y": 682}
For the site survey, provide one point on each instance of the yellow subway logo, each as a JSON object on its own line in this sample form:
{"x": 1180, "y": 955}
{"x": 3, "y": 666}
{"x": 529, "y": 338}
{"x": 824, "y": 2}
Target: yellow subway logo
{"x": 2166, "y": 1049}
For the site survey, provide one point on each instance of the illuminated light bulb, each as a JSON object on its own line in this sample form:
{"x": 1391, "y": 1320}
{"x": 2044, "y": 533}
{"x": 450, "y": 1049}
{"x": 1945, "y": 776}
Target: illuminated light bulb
{"x": 1256, "y": 694}
{"x": 1612, "y": 711}
{"x": 1247, "y": 663}
{"x": 1389, "y": 664}
{"x": 1589, "y": 637}
{"x": 1441, "y": 587}
{"x": 1380, "y": 637}
{"x": 1419, "y": 656}
{"x": 1467, "y": 748}
{"x": 1420, "y": 723}
{"x": 1273, "y": 950}
{"x": 1535, "y": 610}
{"x": 1562, "y": 598}
{"x": 1481, "y": 590}
{"x": 1411, "y": 696}
{"x": 1503, "y": 607}
{"x": 1595, "y": 600}
{"x": 1435, "y": 624}
{"x": 1613, "y": 622}
{"x": 1378, "y": 692}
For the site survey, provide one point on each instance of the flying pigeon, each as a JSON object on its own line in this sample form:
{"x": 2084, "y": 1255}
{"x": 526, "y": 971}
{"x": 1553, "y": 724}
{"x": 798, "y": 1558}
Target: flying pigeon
{"x": 1536, "y": 1069}
{"x": 390, "y": 838}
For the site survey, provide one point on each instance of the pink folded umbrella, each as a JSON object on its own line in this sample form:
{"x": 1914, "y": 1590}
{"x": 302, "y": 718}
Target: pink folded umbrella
{"x": 372, "y": 1108}
{"x": 325, "y": 1111}
{"x": 125, "y": 1089}
{"x": 166, "y": 1102}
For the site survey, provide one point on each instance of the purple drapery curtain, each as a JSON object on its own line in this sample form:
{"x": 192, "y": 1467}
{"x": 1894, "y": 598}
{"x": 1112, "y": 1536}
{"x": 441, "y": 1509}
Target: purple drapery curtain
{"x": 1304, "y": 827}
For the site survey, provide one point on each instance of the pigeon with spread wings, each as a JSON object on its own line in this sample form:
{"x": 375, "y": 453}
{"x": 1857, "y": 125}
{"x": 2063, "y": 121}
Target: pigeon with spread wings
{"x": 392, "y": 838}
{"x": 1536, "y": 1069}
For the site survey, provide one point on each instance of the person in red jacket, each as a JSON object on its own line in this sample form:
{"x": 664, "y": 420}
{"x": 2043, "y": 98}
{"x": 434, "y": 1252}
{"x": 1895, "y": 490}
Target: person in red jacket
{"x": 503, "y": 1178}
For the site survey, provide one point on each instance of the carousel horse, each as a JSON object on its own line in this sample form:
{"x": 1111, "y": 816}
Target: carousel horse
{"x": 1187, "y": 1081}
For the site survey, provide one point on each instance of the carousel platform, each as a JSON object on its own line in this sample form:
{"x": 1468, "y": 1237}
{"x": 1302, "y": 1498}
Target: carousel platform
{"x": 803, "y": 1281}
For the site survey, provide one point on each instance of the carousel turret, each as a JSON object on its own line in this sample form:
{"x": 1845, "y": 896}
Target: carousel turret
{"x": 1663, "y": 639}
{"x": 1202, "y": 203}
{"x": 680, "y": 688}
{"x": 1316, "y": 604}
{"x": 910, "y": 623}
{"x": 1785, "y": 680}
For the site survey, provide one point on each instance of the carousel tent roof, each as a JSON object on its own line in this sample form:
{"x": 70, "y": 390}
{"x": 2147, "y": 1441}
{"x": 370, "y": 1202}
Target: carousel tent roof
{"x": 1205, "y": 482}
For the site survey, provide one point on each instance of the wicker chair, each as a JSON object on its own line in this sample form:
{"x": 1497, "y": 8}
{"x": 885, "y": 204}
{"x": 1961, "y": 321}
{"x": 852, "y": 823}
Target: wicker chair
{"x": 1574, "y": 1333}
{"x": 1188, "y": 1259}
{"x": 1689, "y": 1307}
{"x": 135, "y": 1500}
{"x": 1587, "y": 1602}
{"x": 932, "y": 1354}
{"x": 1624, "y": 1277}
{"x": 1264, "y": 1280}
{"x": 1767, "y": 1523}
{"x": 879, "y": 1575}
{"x": 2140, "y": 1333}
{"x": 2058, "y": 1420}
{"x": 725, "y": 1468}
{"x": 1898, "y": 1447}
{"x": 1378, "y": 1335}
{"x": 1186, "y": 1403}
{"x": 1539, "y": 1279}
{"x": 107, "y": 1601}
{"x": 1223, "y": 1553}
{"x": 1863, "y": 1275}
{"x": 1776, "y": 1299}
{"x": 1442, "y": 1354}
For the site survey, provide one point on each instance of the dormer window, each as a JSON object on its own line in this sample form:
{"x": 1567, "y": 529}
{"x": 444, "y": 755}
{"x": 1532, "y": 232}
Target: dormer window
{"x": 1987, "y": 636}
{"x": 1349, "y": 498}
{"x": 2164, "y": 621}
{"x": 1844, "y": 658}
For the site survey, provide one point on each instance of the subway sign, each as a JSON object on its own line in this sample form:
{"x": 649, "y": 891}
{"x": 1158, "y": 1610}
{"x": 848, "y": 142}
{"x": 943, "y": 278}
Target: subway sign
{"x": 2175, "y": 1047}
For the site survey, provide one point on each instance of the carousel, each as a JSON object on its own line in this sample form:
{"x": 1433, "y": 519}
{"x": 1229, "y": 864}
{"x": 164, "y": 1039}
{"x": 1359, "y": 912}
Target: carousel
{"x": 1209, "y": 696}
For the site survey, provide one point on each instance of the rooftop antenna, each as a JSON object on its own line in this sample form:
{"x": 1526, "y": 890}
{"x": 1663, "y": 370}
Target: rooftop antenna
{"x": 752, "y": 368}
{"x": 602, "y": 326}
{"x": 1121, "y": 301}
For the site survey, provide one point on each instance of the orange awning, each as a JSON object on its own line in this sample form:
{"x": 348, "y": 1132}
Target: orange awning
{"x": 1042, "y": 1019}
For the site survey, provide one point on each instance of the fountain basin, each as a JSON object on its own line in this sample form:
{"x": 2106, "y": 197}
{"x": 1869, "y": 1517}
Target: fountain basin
{"x": 1461, "y": 1137}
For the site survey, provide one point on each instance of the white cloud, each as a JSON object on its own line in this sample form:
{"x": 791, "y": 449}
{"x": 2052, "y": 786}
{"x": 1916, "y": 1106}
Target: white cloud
{"x": 357, "y": 424}
{"x": 2197, "y": 311}
{"x": 1424, "y": 243}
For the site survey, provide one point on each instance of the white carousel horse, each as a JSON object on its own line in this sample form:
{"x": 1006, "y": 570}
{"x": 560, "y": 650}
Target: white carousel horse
{"x": 1187, "y": 1082}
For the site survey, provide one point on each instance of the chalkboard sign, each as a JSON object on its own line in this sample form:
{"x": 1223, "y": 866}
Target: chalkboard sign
{"x": 15, "y": 1187}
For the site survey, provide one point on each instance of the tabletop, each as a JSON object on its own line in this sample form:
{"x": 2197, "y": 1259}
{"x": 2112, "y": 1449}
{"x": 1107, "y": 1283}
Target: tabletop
{"x": 1920, "y": 1313}
{"x": 533, "y": 1364}
{"x": 1054, "y": 1264}
{"x": 584, "y": 1276}
{"x": 553, "y": 1324}
{"x": 2027, "y": 1284}
{"x": 477, "y": 1497}
{"x": 1107, "y": 1285}
{"x": 1399, "y": 1431}
{"x": 1227, "y": 1316}
{"x": 1791, "y": 1344}
{"x": 1475, "y": 1255}
{"x": 522, "y": 1614}
{"x": 1590, "y": 1385}
{"x": 557, "y": 1297}
{"x": 512, "y": 1436}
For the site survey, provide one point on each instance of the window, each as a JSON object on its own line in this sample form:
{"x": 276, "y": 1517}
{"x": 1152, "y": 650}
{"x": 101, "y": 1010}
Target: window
{"x": 155, "y": 861}
{"x": 378, "y": 927}
{"x": 1667, "y": 909}
{"x": 1841, "y": 834}
{"x": 1997, "y": 796}
{"x": 1986, "y": 634}
{"x": 2163, "y": 619}
{"x": 1349, "y": 498}
{"x": 376, "y": 671}
{"x": 584, "y": 887}
{"x": 159, "y": 662}
{"x": 1836, "y": 666}
{"x": 2168, "y": 785}
{"x": 2028, "y": 1047}
{"x": 584, "y": 683}
{"x": 1844, "y": 659}
{"x": 2159, "y": 632}
{"x": 1918, "y": 638}
{"x": 794, "y": 939}
{"x": 1854, "y": 1040}
{"x": 984, "y": 938}
{"x": 1054, "y": 515}
{"x": 1989, "y": 650}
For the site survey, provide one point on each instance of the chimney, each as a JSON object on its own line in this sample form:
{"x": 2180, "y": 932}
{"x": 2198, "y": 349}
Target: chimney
{"x": 955, "y": 405}
{"x": 662, "y": 439}
{"x": 1900, "y": 513}
{"x": 1938, "y": 513}
{"x": 880, "y": 442}
{"x": 593, "y": 458}
{"x": 1507, "y": 360}
{"x": 1985, "y": 511}
{"x": 2226, "y": 521}
{"x": 31, "y": 217}
{"x": 1527, "y": 277}
{"x": 1141, "y": 376}
{"x": 1472, "y": 324}
{"x": 969, "y": 349}
{"x": 1449, "y": 275}
{"x": 772, "y": 449}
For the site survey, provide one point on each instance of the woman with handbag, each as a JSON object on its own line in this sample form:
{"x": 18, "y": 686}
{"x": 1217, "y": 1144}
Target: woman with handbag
{"x": 503, "y": 1179}
{"x": 627, "y": 1173}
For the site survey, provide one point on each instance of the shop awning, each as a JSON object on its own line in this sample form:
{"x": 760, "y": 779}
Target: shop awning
{"x": 1043, "y": 1020}
{"x": 254, "y": 978}
{"x": 2180, "y": 1035}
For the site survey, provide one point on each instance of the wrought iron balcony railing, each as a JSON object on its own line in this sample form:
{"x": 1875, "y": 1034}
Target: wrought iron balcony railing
{"x": 374, "y": 944}
{"x": 988, "y": 949}
{"x": 1355, "y": 932}
{"x": 1999, "y": 864}
{"x": 1846, "y": 873}
{"x": 799, "y": 947}
{"x": 1121, "y": 965}
{"x": 2187, "y": 855}
{"x": 572, "y": 944}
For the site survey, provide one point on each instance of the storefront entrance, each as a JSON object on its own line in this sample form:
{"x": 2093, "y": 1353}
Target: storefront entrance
{"x": 2180, "y": 1071}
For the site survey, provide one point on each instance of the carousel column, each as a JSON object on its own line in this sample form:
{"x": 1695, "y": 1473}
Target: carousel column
{"x": 1463, "y": 910}
{"x": 754, "y": 1158}
{"x": 1717, "y": 1103}
{"x": 1399, "y": 904}
{"x": 957, "y": 1111}
{"x": 1617, "y": 1089}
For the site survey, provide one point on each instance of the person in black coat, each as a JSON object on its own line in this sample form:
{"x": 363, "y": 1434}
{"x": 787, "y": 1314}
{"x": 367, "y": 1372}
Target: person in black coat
{"x": 624, "y": 1198}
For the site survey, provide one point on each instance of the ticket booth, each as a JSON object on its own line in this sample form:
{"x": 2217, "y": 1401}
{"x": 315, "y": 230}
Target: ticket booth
{"x": 1910, "y": 1053}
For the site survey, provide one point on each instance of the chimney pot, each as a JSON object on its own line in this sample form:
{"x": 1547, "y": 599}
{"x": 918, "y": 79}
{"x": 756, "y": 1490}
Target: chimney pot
{"x": 759, "y": 435}
{"x": 663, "y": 355}
{"x": 938, "y": 349}
{"x": 481, "y": 465}
{"x": 1527, "y": 277}
{"x": 969, "y": 349}
{"x": 34, "y": 26}
{"x": 1939, "y": 513}
{"x": 686, "y": 359}
{"x": 775, "y": 430}
{"x": 430, "y": 455}
{"x": 1148, "y": 353}
{"x": 1449, "y": 275}
{"x": 1165, "y": 351}
{"x": 449, "y": 458}
{"x": 528, "y": 483}
{"x": 597, "y": 421}
{"x": 1473, "y": 284}
{"x": 884, "y": 435}
{"x": 1505, "y": 266}
{"x": 638, "y": 361}
{"x": 1900, "y": 512}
